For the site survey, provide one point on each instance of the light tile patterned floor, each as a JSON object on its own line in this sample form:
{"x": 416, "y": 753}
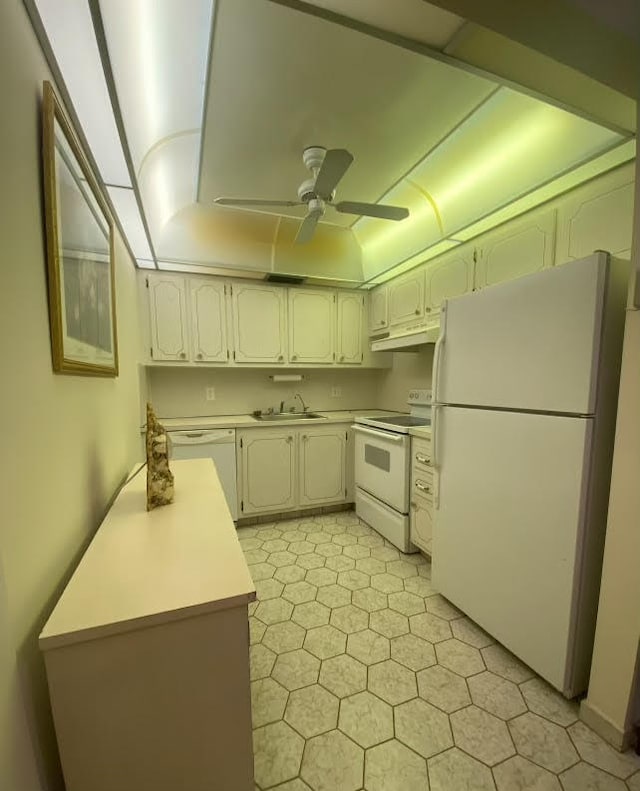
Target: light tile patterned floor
{"x": 364, "y": 677}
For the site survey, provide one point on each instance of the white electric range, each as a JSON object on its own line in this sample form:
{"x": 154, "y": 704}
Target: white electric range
{"x": 383, "y": 469}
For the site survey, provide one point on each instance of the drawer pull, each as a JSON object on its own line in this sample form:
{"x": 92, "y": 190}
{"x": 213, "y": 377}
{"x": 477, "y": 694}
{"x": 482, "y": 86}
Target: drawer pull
{"x": 423, "y": 487}
{"x": 422, "y": 459}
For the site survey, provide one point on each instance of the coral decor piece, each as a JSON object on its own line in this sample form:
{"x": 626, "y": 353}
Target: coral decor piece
{"x": 159, "y": 476}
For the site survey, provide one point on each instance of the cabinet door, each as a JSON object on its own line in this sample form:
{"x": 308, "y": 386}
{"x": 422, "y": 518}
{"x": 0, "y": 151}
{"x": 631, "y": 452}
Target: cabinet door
{"x": 598, "y": 216}
{"x": 208, "y": 320}
{"x": 421, "y": 523}
{"x": 521, "y": 248}
{"x": 450, "y": 276}
{"x": 311, "y": 325}
{"x": 268, "y": 470}
{"x": 349, "y": 337}
{"x": 322, "y": 466}
{"x": 168, "y": 317}
{"x": 378, "y": 310}
{"x": 259, "y": 323}
{"x": 406, "y": 298}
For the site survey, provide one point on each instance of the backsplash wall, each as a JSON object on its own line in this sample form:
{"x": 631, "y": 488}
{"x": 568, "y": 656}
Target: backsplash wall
{"x": 180, "y": 392}
{"x": 410, "y": 370}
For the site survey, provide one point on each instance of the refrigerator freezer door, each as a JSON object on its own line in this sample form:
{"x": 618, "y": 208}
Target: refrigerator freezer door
{"x": 507, "y": 534}
{"x": 529, "y": 344}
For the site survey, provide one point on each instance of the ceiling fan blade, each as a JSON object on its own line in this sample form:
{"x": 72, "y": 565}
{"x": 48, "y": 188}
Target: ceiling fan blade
{"x": 249, "y": 202}
{"x": 372, "y": 210}
{"x": 335, "y": 164}
{"x": 308, "y": 227}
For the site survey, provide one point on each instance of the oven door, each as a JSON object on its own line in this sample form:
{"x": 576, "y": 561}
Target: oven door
{"x": 382, "y": 465}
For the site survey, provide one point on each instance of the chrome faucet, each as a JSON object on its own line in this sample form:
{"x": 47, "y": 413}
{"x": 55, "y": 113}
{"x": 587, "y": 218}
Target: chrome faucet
{"x": 304, "y": 406}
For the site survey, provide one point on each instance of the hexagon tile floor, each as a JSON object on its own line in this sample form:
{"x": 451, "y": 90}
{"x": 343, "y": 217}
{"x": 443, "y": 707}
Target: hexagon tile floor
{"x": 363, "y": 677}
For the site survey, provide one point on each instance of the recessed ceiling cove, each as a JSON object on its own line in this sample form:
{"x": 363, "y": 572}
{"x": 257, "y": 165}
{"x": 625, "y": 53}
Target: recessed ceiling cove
{"x": 281, "y": 80}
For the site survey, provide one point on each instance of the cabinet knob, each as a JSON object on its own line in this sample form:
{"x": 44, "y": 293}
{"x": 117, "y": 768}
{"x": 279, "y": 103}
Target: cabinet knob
{"x": 341, "y": 357}
{"x": 427, "y": 310}
{"x": 304, "y": 437}
{"x": 183, "y": 356}
{"x": 417, "y": 311}
{"x": 294, "y": 356}
{"x": 200, "y": 356}
{"x": 280, "y": 358}
{"x": 381, "y": 321}
{"x": 289, "y": 439}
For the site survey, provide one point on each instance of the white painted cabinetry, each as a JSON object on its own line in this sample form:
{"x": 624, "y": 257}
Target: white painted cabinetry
{"x": 208, "y": 320}
{"x": 349, "y": 328}
{"x": 322, "y": 465}
{"x": 450, "y": 276}
{"x": 597, "y": 216}
{"x": 259, "y": 323}
{"x": 168, "y": 317}
{"x": 312, "y": 326}
{"x": 406, "y": 298}
{"x": 520, "y": 248}
{"x": 422, "y": 523}
{"x": 268, "y": 461}
{"x": 421, "y": 516}
{"x": 378, "y": 310}
{"x": 281, "y": 469}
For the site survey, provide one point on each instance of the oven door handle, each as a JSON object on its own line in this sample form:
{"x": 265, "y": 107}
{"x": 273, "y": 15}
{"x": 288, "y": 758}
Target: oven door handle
{"x": 385, "y": 436}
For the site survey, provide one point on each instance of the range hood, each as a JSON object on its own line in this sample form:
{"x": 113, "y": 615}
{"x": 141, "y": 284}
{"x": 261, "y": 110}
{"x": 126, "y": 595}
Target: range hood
{"x": 407, "y": 341}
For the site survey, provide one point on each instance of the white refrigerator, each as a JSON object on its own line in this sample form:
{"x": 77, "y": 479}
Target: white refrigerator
{"x": 525, "y": 381}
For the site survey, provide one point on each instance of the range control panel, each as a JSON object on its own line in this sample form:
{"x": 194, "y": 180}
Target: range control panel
{"x": 419, "y": 398}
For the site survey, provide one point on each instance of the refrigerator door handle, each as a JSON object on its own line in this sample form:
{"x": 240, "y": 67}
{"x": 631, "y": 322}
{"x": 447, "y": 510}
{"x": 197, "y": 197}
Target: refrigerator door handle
{"x": 437, "y": 354}
{"x": 435, "y": 462}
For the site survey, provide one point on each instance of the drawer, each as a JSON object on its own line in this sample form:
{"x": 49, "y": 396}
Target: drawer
{"x": 421, "y": 523}
{"x": 422, "y": 486}
{"x": 420, "y": 453}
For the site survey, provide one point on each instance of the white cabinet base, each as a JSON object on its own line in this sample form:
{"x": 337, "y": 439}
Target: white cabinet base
{"x": 389, "y": 523}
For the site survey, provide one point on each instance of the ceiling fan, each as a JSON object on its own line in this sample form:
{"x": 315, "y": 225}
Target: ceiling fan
{"x": 318, "y": 192}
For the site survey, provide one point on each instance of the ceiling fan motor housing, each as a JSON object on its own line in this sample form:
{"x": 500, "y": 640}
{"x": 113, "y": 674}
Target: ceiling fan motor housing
{"x": 313, "y": 157}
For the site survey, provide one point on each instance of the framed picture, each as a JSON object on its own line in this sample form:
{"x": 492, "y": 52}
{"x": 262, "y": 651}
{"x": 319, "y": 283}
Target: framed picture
{"x": 80, "y": 261}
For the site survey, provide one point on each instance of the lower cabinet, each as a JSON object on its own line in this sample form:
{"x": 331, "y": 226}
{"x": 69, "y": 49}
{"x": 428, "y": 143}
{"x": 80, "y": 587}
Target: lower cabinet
{"x": 268, "y": 464}
{"x": 421, "y": 524}
{"x": 421, "y": 513}
{"x": 322, "y": 466}
{"x": 292, "y": 467}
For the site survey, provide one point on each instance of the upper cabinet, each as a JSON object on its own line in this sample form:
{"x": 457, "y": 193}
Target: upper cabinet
{"x": 208, "y": 320}
{"x": 519, "y": 248}
{"x": 449, "y": 277}
{"x": 349, "y": 328}
{"x": 406, "y": 297}
{"x": 168, "y": 317}
{"x": 598, "y": 216}
{"x": 200, "y": 320}
{"x": 312, "y": 326}
{"x": 378, "y": 310}
{"x": 259, "y": 323}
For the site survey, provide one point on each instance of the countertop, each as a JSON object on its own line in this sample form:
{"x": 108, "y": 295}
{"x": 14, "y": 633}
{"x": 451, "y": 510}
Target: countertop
{"x": 248, "y": 421}
{"x": 421, "y": 431}
{"x": 149, "y": 567}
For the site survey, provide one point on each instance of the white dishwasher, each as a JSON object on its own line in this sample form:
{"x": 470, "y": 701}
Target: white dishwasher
{"x": 217, "y": 444}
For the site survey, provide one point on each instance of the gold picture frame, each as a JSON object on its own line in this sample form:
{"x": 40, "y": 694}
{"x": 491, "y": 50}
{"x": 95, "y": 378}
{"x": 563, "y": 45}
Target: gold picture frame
{"x": 80, "y": 252}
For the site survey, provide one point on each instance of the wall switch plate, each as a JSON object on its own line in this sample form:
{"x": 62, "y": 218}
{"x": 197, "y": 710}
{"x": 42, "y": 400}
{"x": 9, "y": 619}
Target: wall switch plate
{"x": 336, "y": 392}
{"x": 210, "y": 393}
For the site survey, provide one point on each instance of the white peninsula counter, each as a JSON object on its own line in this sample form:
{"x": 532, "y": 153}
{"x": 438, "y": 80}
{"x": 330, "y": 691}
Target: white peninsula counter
{"x": 147, "y": 650}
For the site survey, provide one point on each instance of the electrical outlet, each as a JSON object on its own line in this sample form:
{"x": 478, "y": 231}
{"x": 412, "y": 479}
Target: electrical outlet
{"x": 210, "y": 393}
{"x": 336, "y": 392}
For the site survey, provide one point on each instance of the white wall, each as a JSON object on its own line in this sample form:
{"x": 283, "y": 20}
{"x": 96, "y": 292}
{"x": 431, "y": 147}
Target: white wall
{"x": 179, "y": 392}
{"x": 612, "y": 705}
{"x": 67, "y": 441}
{"x": 410, "y": 370}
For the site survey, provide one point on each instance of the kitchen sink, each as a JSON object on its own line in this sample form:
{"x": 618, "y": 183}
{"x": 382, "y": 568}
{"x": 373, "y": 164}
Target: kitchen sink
{"x": 275, "y": 416}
